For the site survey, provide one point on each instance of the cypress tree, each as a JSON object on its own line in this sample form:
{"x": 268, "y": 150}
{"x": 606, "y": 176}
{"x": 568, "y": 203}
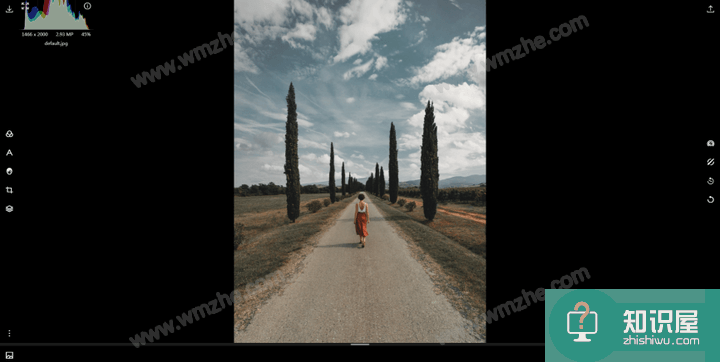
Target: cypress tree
{"x": 429, "y": 164}
{"x": 292, "y": 174}
{"x": 393, "y": 167}
{"x": 369, "y": 185}
{"x": 349, "y": 183}
{"x": 332, "y": 174}
{"x": 343, "y": 179}
{"x": 376, "y": 183}
{"x": 382, "y": 182}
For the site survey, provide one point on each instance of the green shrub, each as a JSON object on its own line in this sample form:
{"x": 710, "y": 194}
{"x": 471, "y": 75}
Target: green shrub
{"x": 314, "y": 206}
{"x": 410, "y": 205}
{"x": 401, "y": 202}
{"x": 386, "y": 197}
{"x": 238, "y": 234}
{"x": 326, "y": 202}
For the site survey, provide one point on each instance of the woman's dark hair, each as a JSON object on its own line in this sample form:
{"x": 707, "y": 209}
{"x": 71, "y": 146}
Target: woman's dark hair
{"x": 361, "y": 197}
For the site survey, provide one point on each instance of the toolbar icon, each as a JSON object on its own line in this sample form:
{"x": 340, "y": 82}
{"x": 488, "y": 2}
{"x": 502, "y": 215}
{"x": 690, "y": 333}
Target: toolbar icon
{"x": 8, "y": 134}
{"x": 711, "y": 200}
{"x": 9, "y": 208}
{"x": 711, "y": 181}
{"x": 8, "y": 355}
{"x": 711, "y": 161}
{"x": 9, "y": 171}
{"x": 710, "y": 11}
{"x": 711, "y": 143}
{"x": 8, "y": 189}
{"x": 9, "y": 10}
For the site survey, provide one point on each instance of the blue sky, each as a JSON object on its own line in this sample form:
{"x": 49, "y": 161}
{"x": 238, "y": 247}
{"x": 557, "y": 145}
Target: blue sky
{"x": 356, "y": 67}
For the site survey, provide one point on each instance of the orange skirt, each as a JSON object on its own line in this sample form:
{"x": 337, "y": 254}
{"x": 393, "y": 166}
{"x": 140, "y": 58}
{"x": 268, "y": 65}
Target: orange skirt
{"x": 361, "y": 224}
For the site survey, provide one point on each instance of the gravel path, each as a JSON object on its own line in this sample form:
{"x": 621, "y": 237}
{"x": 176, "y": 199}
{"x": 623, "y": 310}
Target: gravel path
{"x": 378, "y": 294}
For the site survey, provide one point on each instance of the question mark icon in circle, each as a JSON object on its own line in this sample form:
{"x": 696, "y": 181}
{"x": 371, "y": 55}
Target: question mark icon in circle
{"x": 587, "y": 311}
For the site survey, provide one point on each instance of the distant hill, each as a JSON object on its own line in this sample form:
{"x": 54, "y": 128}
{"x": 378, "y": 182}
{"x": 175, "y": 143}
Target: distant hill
{"x": 457, "y": 181}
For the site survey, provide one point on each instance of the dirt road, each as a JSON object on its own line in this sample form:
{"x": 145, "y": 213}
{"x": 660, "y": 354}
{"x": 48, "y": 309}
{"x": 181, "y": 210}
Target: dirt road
{"x": 377, "y": 294}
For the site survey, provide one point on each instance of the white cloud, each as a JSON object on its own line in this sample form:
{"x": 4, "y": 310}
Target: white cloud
{"x": 278, "y": 116}
{"x": 381, "y": 62}
{"x": 359, "y": 70}
{"x": 358, "y": 156}
{"x": 357, "y": 61}
{"x": 454, "y": 2}
{"x": 341, "y": 134}
{"x": 353, "y": 133}
{"x": 242, "y": 62}
{"x": 373, "y": 77}
{"x": 362, "y": 21}
{"x": 305, "y": 143}
{"x": 424, "y": 18}
{"x": 302, "y": 9}
{"x": 242, "y": 144}
{"x": 452, "y": 58}
{"x": 324, "y": 17}
{"x": 304, "y": 123}
{"x": 270, "y": 19}
{"x": 274, "y": 168}
{"x": 261, "y": 20}
{"x": 469, "y": 96}
{"x": 422, "y": 37}
{"x": 399, "y": 96}
{"x": 267, "y": 140}
{"x": 448, "y": 120}
{"x": 262, "y": 143}
{"x": 407, "y": 105}
{"x": 350, "y": 100}
{"x": 301, "y": 31}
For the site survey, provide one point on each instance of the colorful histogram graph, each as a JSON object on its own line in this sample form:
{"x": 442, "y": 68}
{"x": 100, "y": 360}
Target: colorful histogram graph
{"x": 54, "y": 15}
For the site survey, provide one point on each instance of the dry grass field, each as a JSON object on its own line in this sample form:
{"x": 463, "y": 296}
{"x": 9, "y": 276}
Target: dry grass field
{"x": 268, "y": 235}
{"x": 464, "y": 223}
{"x": 258, "y": 204}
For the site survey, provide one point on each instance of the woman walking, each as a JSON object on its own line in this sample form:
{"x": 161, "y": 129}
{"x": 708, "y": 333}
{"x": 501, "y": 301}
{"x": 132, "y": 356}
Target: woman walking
{"x": 362, "y": 218}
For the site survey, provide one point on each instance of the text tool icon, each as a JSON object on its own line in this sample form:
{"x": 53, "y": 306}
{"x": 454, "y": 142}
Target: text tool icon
{"x": 8, "y": 134}
{"x": 711, "y": 161}
{"x": 711, "y": 181}
{"x": 9, "y": 171}
{"x": 577, "y": 323}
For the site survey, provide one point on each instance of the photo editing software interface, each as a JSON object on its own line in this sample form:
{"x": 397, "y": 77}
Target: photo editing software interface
{"x": 355, "y": 135}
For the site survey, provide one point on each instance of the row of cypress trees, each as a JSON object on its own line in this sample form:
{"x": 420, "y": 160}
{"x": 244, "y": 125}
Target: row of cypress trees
{"x": 429, "y": 175}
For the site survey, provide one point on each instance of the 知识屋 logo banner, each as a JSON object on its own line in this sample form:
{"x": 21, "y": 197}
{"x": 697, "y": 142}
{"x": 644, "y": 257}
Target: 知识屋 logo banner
{"x": 640, "y": 325}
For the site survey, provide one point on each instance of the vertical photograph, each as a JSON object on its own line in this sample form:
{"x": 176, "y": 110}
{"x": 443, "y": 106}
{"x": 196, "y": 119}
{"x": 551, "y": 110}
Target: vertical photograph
{"x": 359, "y": 171}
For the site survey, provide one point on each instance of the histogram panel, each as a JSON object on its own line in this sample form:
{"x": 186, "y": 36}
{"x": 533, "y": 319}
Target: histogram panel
{"x": 55, "y": 15}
